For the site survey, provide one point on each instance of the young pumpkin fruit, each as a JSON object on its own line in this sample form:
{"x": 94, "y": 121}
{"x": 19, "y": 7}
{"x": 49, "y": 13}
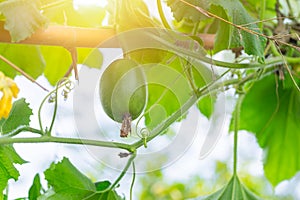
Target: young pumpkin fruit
{"x": 123, "y": 92}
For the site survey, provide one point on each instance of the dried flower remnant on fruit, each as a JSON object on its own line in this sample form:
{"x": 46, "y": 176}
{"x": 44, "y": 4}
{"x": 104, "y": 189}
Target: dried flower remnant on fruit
{"x": 126, "y": 125}
{"x": 9, "y": 89}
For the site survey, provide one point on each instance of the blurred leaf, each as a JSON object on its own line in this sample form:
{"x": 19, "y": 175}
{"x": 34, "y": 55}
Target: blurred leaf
{"x": 64, "y": 13}
{"x": 233, "y": 190}
{"x": 90, "y": 57}
{"x": 254, "y": 7}
{"x": 133, "y": 15}
{"x": 19, "y": 115}
{"x": 230, "y": 37}
{"x": 26, "y": 57}
{"x": 202, "y": 76}
{"x": 58, "y": 61}
{"x": 168, "y": 90}
{"x": 69, "y": 183}
{"x": 273, "y": 115}
{"x": 206, "y": 105}
{"x": 182, "y": 11}
{"x": 35, "y": 189}
{"x": 23, "y": 18}
{"x": 8, "y": 157}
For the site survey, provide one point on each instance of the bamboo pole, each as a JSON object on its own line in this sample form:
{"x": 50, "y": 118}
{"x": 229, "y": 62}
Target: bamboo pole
{"x": 68, "y": 36}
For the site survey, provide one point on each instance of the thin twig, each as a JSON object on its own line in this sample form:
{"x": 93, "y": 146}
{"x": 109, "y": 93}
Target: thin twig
{"x": 22, "y": 72}
{"x": 67, "y": 74}
{"x": 73, "y": 53}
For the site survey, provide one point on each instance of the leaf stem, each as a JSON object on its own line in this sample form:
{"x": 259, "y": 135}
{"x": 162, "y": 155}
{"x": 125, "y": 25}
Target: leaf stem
{"x": 236, "y": 128}
{"x": 133, "y": 180}
{"x": 21, "y": 129}
{"x": 124, "y": 171}
{"x": 161, "y": 14}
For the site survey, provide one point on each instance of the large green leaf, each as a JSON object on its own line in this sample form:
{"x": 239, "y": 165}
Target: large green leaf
{"x": 19, "y": 115}
{"x": 67, "y": 182}
{"x": 66, "y": 179}
{"x": 23, "y": 18}
{"x": 230, "y": 37}
{"x": 8, "y": 157}
{"x": 26, "y": 57}
{"x": 272, "y": 112}
{"x": 168, "y": 90}
{"x": 233, "y": 190}
{"x": 227, "y": 35}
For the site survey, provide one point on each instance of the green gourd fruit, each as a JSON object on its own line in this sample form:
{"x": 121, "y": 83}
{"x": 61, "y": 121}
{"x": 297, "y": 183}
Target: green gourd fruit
{"x": 123, "y": 90}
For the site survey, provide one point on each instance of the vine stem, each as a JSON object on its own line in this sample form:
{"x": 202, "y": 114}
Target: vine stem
{"x": 236, "y": 128}
{"x": 189, "y": 103}
{"x": 51, "y": 139}
{"x": 8, "y": 139}
{"x": 201, "y": 56}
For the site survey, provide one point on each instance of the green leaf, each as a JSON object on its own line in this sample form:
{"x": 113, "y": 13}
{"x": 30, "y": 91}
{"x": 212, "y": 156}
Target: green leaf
{"x": 66, "y": 179}
{"x": 19, "y": 116}
{"x": 26, "y": 57}
{"x": 90, "y": 57}
{"x": 22, "y": 18}
{"x": 8, "y": 157}
{"x": 230, "y": 37}
{"x": 131, "y": 19}
{"x": 35, "y": 189}
{"x": 273, "y": 115}
{"x": 233, "y": 190}
{"x": 254, "y": 8}
{"x": 206, "y": 105}
{"x": 203, "y": 76}
{"x": 168, "y": 90}
{"x": 102, "y": 185}
{"x": 58, "y": 61}
{"x": 67, "y": 182}
{"x": 182, "y": 11}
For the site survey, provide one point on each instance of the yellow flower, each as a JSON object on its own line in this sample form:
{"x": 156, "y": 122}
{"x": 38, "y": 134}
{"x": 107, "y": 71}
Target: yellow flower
{"x": 9, "y": 90}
